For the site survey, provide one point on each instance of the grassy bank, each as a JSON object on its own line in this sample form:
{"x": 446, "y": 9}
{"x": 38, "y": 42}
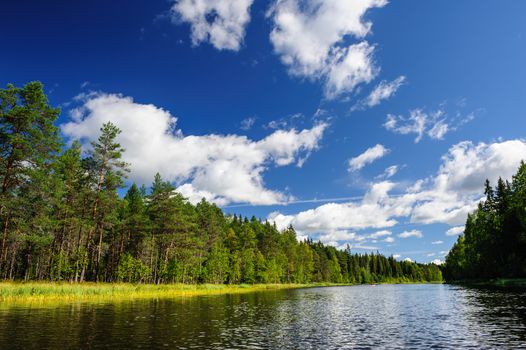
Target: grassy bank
{"x": 499, "y": 282}
{"x": 41, "y": 292}
{"x": 63, "y": 292}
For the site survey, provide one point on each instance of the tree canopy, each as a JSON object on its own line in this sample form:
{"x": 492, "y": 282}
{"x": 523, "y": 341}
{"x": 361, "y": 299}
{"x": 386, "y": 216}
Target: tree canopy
{"x": 61, "y": 218}
{"x": 494, "y": 241}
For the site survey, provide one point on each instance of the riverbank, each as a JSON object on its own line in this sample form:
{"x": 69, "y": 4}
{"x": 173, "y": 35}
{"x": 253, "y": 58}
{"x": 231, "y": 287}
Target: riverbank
{"x": 58, "y": 292}
{"x": 42, "y": 292}
{"x": 498, "y": 282}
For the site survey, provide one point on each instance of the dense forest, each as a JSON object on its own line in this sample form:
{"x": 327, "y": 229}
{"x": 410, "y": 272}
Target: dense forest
{"x": 61, "y": 218}
{"x": 494, "y": 240}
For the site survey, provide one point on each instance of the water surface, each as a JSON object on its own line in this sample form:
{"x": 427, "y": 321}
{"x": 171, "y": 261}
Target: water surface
{"x": 384, "y": 316}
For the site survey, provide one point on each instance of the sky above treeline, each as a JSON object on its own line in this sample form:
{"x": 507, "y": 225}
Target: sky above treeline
{"x": 361, "y": 122}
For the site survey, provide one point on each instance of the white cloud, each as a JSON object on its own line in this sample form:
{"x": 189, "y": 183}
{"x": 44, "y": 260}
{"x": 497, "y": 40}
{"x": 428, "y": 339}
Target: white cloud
{"x": 194, "y": 195}
{"x": 379, "y": 234}
{"x": 439, "y": 130}
{"x": 458, "y": 185}
{"x": 388, "y": 172}
{"x": 367, "y": 157}
{"x": 222, "y": 168}
{"x": 375, "y": 210}
{"x": 417, "y": 123}
{"x": 382, "y": 91}
{"x": 435, "y": 124}
{"x": 348, "y": 68}
{"x": 289, "y": 121}
{"x": 247, "y": 123}
{"x": 388, "y": 240}
{"x": 311, "y": 37}
{"x": 364, "y": 247}
{"x": 396, "y": 256}
{"x": 437, "y": 262}
{"x": 412, "y": 233}
{"x": 447, "y": 197}
{"x": 408, "y": 260}
{"x": 220, "y": 22}
{"x": 457, "y": 230}
{"x": 337, "y": 236}
{"x": 437, "y": 242}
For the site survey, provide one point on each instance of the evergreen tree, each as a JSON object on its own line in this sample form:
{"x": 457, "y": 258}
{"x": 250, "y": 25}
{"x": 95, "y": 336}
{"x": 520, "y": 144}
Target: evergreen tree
{"x": 493, "y": 244}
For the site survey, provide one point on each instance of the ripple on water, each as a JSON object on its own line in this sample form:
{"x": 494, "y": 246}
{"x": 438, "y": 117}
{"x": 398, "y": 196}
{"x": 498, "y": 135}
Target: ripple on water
{"x": 386, "y": 316}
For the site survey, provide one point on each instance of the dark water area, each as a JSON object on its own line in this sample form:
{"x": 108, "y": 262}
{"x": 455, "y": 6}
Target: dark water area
{"x": 384, "y": 316}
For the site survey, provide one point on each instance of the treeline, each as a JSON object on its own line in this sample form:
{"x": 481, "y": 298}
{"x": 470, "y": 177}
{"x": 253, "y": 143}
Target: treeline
{"x": 494, "y": 240}
{"x": 61, "y": 218}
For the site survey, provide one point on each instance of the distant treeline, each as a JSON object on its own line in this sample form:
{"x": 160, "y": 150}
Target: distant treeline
{"x": 494, "y": 240}
{"x": 61, "y": 218}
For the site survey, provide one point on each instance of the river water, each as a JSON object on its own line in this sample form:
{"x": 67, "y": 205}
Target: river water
{"x": 383, "y": 316}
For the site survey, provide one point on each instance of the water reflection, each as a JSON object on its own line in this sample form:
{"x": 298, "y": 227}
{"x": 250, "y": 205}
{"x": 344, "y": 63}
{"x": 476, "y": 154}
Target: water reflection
{"x": 388, "y": 316}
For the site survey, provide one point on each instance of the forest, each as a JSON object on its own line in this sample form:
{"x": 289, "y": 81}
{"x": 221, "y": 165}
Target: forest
{"x": 494, "y": 241}
{"x": 62, "y": 219}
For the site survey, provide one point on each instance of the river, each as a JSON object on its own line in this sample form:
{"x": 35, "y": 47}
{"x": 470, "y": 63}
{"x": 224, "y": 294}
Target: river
{"x": 384, "y": 316}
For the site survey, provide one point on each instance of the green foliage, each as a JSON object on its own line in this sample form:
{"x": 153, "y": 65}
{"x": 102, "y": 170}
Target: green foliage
{"x": 61, "y": 218}
{"x": 494, "y": 240}
{"x": 61, "y": 267}
{"x": 131, "y": 269}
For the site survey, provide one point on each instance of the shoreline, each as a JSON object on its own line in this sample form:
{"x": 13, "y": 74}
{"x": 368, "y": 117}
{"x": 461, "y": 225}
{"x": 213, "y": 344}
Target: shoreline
{"x": 497, "y": 282}
{"x": 12, "y": 293}
{"x": 64, "y": 292}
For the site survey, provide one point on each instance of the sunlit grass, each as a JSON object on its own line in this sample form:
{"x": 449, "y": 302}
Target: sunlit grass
{"x": 47, "y": 293}
{"x": 44, "y": 292}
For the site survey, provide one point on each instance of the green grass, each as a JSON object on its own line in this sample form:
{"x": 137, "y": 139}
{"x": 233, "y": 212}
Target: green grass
{"x": 44, "y": 292}
{"x": 26, "y": 293}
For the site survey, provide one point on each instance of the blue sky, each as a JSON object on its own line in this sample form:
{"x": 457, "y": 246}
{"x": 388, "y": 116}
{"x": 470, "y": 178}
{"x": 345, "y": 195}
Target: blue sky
{"x": 365, "y": 122}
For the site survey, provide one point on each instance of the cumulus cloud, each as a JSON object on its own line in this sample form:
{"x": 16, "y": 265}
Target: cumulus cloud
{"x": 437, "y": 262}
{"x": 457, "y": 187}
{"x": 367, "y": 157}
{"x": 337, "y": 236}
{"x": 311, "y": 37}
{"x": 348, "y": 68}
{"x": 412, "y": 233}
{"x": 195, "y": 195}
{"x": 457, "y": 230}
{"x": 376, "y": 210}
{"x": 383, "y": 91}
{"x": 379, "y": 234}
{"x": 220, "y": 22}
{"x": 446, "y": 197}
{"x": 221, "y": 168}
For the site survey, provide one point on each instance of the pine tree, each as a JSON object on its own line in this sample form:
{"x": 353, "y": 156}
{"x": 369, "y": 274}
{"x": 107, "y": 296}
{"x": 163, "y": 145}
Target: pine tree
{"x": 28, "y": 143}
{"x": 107, "y": 172}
